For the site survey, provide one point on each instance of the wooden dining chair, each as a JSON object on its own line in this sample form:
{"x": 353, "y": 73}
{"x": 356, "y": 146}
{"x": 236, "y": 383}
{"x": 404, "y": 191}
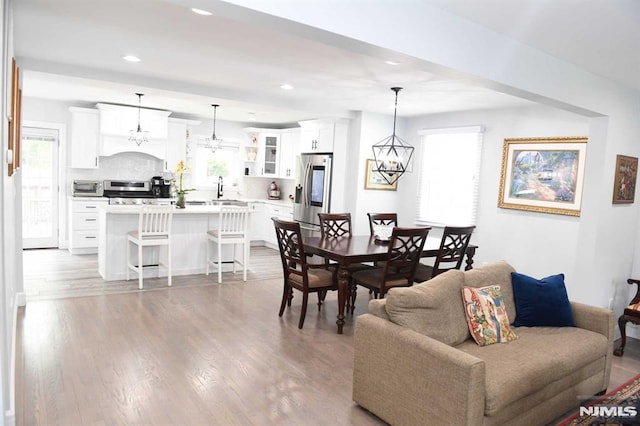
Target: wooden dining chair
{"x": 298, "y": 274}
{"x": 339, "y": 225}
{"x": 453, "y": 246}
{"x": 381, "y": 219}
{"x": 405, "y": 248}
{"x": 630, "y": 314}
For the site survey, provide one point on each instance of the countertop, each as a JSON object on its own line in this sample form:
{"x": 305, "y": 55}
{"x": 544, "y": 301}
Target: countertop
{"x": 282, "y": 203}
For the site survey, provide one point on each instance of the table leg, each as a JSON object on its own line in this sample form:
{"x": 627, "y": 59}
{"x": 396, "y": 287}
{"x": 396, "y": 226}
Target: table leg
{"x": 343, "y": 293}
{"x": 471, "y": 251}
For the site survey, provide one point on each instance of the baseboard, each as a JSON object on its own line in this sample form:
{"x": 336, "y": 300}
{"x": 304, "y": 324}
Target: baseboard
{"x": 10, "y": 414}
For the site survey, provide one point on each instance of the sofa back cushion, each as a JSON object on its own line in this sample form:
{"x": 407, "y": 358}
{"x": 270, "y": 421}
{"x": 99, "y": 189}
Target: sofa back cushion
{"x": 497, "y": 273}
{"x": 433, "y": 308}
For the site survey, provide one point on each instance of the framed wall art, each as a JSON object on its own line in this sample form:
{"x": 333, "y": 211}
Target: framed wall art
{"x": 373, "y": 180}
{"x": 543, "y": 174}
{"x": 624, "y": 184}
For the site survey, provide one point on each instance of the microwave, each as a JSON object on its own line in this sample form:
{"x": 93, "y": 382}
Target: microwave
{"x": 87, "y": 188}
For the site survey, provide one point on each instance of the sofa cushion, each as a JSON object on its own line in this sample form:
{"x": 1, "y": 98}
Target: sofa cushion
{"x": 497, "y": 273}
{"x": 486, "y": 316}
{"x": 540, "y": 357}
{"x": 542, "y": 302}
{"x": 433, "y": 308}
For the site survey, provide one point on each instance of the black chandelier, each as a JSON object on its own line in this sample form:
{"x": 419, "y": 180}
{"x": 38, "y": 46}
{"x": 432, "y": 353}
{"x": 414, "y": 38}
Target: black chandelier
{"x": 138, "y": 136}
{"x": 392, "y": 154}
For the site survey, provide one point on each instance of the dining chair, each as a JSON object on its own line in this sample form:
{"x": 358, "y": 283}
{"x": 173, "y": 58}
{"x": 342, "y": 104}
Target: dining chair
{"x": 154, "y": 229}
{"x": 405, "y": 248}
{"x": 453, "y": 246}
{"x": 298, "y": 274}
{"x": 339, "y": 225}
{"x": 381, "y": 219}
{"x": 232, "y": 229}
{"x": 630, "y": 314}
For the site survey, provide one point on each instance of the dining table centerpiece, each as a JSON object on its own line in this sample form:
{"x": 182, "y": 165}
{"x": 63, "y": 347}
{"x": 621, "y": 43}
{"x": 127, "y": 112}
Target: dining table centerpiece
{"x": 181, "y": 169}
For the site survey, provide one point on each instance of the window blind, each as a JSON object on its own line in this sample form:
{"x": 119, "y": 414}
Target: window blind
{"x": 449, "y": 176}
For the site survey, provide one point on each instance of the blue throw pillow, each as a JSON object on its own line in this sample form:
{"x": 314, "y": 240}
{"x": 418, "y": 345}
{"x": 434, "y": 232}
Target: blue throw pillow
{"x": 541, "y": 302}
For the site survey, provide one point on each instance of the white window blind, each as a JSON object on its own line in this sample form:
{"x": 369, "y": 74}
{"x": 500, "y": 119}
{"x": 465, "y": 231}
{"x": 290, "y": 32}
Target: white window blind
{"x": 449, "y": 176}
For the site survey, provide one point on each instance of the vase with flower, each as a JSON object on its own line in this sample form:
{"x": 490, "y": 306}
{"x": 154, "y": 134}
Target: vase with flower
{"x": 181, "y": 169}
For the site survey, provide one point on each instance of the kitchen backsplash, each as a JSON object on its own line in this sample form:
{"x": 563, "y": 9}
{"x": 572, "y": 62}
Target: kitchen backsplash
{"x": 136, "y": 166}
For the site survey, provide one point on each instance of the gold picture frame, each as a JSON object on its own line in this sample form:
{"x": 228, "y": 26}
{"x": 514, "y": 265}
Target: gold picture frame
{"x": 624, "y": 185}
{"x": 373, "y": 180}
{"x": 543, "y": 174}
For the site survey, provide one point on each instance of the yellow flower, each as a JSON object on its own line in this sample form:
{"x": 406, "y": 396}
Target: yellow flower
{"x": 181, "y": 168}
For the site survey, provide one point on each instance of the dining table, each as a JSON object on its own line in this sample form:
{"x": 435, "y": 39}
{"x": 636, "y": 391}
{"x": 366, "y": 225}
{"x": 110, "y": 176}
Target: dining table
{"x": 345, "y": 251}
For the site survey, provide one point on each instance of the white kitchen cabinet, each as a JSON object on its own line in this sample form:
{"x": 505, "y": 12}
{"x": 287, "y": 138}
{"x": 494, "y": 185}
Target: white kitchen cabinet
{"x": 317, "y": 136}
{"x": 85, "y": 126}
{"x": 257, "y": 220}
{"x": 280, "y": 212}
{"x": 289, "y": 150}
{"x": 268, "y": 153}
{"x": 176, "y": 143}
{"x": 117, "y": 120}
{"x": 83, "y": 224}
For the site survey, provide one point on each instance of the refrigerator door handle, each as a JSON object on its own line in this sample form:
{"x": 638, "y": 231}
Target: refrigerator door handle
{"x": 307, "y": 184}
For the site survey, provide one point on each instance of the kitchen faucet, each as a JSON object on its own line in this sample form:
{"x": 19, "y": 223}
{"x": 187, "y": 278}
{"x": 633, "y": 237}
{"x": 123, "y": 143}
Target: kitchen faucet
{"x": 220, "y": 192}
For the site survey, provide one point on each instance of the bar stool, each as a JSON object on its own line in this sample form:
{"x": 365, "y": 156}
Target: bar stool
{"x": 154, "y": 229}
{"x": 232, "y": 229}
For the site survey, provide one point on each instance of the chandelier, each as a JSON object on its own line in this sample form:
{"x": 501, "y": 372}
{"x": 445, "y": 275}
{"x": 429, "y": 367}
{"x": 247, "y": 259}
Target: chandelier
{"x": 392, "y": 154}
{"x": 213, "y": 143}
{"x": 138, "y": 136}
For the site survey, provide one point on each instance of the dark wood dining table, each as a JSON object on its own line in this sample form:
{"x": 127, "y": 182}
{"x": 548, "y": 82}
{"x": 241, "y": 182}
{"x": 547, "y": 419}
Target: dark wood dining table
{"x": 348, "y": 250}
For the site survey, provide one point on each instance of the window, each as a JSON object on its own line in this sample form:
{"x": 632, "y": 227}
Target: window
{"x": 207, "y": 166}
{"x": 449, "y": 176}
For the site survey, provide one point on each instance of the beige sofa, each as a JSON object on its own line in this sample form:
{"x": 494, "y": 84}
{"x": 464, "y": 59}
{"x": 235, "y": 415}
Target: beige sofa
{"x": 416, "y": 363}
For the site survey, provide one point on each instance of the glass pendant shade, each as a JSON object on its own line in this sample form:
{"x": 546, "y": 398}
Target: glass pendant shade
{"x": 213, "y": 143}
{"x": 392, "y": 154}
{"x": 138, "y": 136}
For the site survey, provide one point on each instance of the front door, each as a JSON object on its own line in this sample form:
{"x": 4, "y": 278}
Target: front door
{"x": 39, "y": 187}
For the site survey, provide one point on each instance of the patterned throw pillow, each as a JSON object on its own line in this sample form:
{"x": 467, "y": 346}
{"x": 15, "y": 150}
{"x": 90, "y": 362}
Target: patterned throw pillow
{"x": 486, "y": 315}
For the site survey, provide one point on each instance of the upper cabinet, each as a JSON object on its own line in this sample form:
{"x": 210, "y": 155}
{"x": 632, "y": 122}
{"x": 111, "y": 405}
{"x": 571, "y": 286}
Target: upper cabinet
{"x": 317, "y": 135}
{"x": 272, "y": 152}
{"x": 117, "y": 122}
{"x": 289, "y": 150}
{"x": 85, "y": 124}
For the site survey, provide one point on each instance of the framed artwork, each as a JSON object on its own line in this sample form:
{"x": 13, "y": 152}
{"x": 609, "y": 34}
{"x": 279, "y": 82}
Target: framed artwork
{"x": 373, "y": 180}
{"x": 543, "y": 174}
{"x": 14, "y": 119}
{"x": 624, "y": 184}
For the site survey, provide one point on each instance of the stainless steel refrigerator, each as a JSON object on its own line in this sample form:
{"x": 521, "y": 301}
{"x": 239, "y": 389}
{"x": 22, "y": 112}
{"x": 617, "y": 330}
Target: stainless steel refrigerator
{"x": 313, "y": 190}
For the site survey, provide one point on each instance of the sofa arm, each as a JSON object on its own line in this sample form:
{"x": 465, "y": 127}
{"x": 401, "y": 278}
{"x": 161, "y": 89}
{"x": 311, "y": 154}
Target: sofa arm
{"x": 400, "y": 375}
{"x": 378, "y": 308}
{"x": 598, "y": 320}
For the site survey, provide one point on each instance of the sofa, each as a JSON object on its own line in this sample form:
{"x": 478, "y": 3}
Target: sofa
{"x": 415, "y": 362}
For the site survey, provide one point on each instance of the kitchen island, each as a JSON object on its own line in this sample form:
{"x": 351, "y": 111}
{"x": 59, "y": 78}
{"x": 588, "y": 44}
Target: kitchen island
{"x": 188, "y": 241}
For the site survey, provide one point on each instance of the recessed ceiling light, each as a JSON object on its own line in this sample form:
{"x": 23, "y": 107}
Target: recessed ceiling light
{"x": 286, "y": 87}
{"x": 201, "y": 12}
{"x": 392, "y": 62}
{"x": 131, "y": 58}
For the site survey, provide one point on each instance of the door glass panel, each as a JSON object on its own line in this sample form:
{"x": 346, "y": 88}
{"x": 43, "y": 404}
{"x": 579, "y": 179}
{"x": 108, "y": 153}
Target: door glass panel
{"x": 39, "y": 190}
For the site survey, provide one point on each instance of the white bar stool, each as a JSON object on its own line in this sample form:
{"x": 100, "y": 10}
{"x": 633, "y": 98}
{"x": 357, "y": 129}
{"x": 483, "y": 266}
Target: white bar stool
{"x": 232, "y": 229}
{"x": 154, "y": 229}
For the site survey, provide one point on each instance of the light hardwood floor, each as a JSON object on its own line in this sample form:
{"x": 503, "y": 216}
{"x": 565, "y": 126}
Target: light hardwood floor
{"x": 198, "y": 353}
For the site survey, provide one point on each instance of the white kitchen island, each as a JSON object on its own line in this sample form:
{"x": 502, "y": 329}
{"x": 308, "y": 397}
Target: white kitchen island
{"x": 188, "y": 241}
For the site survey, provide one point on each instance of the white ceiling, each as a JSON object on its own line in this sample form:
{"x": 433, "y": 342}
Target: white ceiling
{"x": 71, "y": 50}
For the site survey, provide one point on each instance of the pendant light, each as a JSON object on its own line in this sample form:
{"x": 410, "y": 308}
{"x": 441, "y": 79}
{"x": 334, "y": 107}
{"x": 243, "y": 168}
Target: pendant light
{"x": 213, "y": 143}
{"x": 138, "y": 136}
{"x": 392, "y": 154}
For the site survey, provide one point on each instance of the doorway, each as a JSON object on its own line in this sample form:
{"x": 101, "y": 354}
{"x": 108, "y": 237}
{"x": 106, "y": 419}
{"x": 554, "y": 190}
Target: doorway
{"x": 40, "y": 187}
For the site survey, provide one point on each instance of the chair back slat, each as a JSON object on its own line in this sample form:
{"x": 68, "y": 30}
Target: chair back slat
{"x": 233, "y": 220}
{"x": 335, "y": 224}
{"x": 405, "y": 248}
{"x": 291, "y": 249}
{"x": 381, "y": 219}
{"x": 453, "y": 246}
{"x": 155, "y": 221}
